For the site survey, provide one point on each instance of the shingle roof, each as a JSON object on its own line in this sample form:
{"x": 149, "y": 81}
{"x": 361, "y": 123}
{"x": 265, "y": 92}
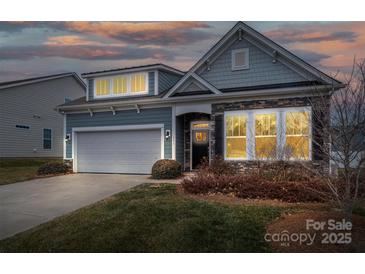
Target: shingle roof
{"x": 39, "y": 79}
{"x": 134, "y": 67}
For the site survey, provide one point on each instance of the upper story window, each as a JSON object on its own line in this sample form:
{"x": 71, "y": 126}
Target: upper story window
{"x": 240, "y": 59}
{"x": 121, "y": 85}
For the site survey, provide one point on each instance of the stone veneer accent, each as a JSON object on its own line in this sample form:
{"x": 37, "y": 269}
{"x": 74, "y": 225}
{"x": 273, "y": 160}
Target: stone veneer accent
{"x": 318, "y": 161}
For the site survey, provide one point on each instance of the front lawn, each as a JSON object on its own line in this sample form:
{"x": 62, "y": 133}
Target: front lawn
{"x": 151, "y": 218}
{"x": 17, "y": 170}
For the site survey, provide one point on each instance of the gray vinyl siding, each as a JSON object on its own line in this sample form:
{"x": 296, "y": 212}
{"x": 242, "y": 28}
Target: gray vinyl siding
{"x": 166, "y": 80}
{"x": 262, "y": 70}
{"x": 91, "y": 89}
{"x": 22, "y": 105}
{"x": 126, "y": 117}
{"x": 151, "y": 83}
{"x": 180, "y": 139}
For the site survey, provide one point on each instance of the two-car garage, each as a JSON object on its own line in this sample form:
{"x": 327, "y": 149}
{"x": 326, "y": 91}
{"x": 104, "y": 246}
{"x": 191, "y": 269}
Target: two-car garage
{"x": 131, "y": 149}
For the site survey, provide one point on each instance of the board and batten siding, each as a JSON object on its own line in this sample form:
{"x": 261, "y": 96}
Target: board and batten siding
{"x": 262, "y": 70}
{"x": 34, "y": 105}
{"x": 151, "y": 85}
{"x": 121, "y": 118}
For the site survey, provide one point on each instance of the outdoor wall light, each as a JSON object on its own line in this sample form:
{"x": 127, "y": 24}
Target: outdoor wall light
{"x": 167, "y": 134}
{"x": 68, "y": 137}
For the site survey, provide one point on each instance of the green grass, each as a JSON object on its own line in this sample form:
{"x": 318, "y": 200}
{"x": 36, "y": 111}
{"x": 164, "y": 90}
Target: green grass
{"x": 17, "y": 170}
{"x": 150, "y": 218}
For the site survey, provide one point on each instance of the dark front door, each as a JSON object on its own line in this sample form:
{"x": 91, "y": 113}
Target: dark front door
{"x": 200, "y": 143}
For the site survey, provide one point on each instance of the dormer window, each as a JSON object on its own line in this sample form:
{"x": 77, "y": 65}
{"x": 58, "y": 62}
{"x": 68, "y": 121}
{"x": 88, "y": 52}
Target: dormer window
{"x": 121, "y": 85}
{"x": 240, "y": 59}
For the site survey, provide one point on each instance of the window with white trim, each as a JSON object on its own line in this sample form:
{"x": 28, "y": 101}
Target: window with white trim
{"x": 297, "y": 135}
{"x": 240, "y": 59}
{"x": 121, "y": 85}
{"x": 236, "y": 136}
{"x": 265, "y": 136}
{"x": 47, "y": 138}
{"x": 268, "y": 134}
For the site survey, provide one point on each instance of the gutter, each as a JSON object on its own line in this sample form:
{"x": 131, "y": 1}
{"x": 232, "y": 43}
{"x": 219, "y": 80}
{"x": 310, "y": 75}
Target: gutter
{"x": 198, "y": 98}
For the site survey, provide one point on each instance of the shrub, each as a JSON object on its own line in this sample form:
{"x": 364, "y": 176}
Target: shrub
{"x": 216, "y": 167}
{"x": 254, "y": 187}
{"x": 53, "y": 168}
{"x": 166, "y": 169}
{"x": 283, "y": 171}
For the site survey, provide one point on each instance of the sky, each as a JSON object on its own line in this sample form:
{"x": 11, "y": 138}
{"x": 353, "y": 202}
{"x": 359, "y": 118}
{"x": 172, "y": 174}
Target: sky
{"x": 30, "y": 49}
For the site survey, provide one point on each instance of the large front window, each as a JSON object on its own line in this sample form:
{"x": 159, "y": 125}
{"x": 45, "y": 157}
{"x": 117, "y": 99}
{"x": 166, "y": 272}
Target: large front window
{"x": 297, "y": 135}
{"x": 236, "y": 136}
{"x": 121, "y": 85}
{"x": 268, "y": 134}
{"x": 265, "y": 136}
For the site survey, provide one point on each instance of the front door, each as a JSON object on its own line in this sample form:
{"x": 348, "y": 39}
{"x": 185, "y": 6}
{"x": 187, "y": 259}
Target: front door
{"x": 199, "y": 143}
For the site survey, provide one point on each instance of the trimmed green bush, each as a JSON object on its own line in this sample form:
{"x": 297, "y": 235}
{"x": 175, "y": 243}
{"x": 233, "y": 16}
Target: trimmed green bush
{"x": 53, "y": 168}
{"x": 166, "y": 169}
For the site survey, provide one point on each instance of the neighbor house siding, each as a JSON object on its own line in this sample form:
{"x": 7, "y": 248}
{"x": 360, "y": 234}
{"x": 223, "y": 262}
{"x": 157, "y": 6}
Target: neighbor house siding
{"x": 166, "y": 80}
{"x": 126, "y": 117}
{"x": 262, "y": 70}
{"x": 34, "y": 105}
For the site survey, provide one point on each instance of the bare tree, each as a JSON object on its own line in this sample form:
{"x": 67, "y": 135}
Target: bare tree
{"x": 339, "y": 137}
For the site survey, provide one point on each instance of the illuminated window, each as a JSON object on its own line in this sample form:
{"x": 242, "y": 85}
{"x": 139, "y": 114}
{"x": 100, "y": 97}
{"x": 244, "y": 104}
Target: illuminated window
{"x": 138, "y": 82}
{"x": 236, "y": 136}
{"x": 200, "y": 137}
{"x": 201, "y": 125}
{"x": 102, "y": 87}
{"x": 297, "y": 135}
{"x": 120, "y": 85}
{"x": 265, "y": 136}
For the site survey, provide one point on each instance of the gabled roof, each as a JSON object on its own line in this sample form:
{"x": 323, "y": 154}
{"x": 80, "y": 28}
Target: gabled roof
{"x": 28, "y": 81}
{"x": 133, "y": 69}
{"x": 276, "y": 51}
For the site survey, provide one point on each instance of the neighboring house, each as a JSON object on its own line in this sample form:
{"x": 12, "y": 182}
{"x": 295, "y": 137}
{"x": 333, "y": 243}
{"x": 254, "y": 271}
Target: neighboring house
{"x": 30, "y": 126}
{"x": 246, "y": 99}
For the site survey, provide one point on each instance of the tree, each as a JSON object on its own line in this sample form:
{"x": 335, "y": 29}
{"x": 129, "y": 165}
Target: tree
{"x": 339, "y": 137}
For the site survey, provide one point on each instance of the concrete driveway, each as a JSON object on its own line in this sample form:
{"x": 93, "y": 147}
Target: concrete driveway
{"x": 27, "y": 204}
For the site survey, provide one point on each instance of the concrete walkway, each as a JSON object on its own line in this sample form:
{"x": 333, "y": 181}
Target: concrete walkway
{"x": 27, "y": 204}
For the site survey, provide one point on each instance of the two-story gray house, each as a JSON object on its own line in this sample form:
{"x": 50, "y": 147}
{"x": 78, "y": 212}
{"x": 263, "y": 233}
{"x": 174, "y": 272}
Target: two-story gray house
{"x": 246, "y": 99}
{"x": 30, "y": 126}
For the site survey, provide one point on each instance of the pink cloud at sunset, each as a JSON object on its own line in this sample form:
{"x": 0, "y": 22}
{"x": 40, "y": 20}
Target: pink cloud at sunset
{"x": 33, "y": 47}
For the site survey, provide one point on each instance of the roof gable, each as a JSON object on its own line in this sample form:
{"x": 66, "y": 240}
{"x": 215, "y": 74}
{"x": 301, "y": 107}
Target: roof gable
{"x": 262, "y": 69}
{"x": 277, "y": 53}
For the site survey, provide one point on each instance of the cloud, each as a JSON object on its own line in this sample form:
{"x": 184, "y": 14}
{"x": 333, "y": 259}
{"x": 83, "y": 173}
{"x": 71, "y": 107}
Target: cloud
{"x": 85, "y": 52}
{"x": 67, "y": 40}
{"x": 287, "y": 36}
{"x": 311, "y": 56}
{"x": 147, "y": 33}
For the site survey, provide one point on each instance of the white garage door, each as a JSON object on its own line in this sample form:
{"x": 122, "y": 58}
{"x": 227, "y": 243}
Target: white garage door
{"x": 132, "y": 151}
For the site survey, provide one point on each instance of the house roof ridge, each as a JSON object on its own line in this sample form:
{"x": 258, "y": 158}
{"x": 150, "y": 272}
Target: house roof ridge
{"x": 26, "y": 81}
{"x": 134, "y": 67}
